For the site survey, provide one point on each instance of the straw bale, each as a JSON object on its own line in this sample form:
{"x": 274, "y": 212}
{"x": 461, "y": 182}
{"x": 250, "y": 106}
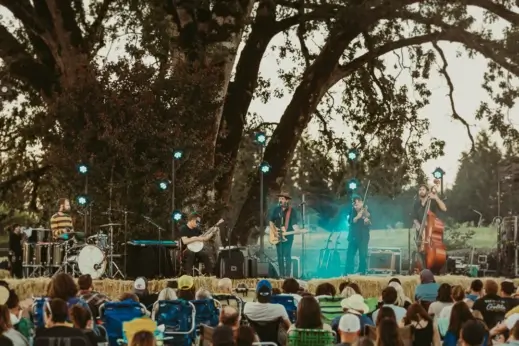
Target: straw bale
{"x": 370, "y": 286}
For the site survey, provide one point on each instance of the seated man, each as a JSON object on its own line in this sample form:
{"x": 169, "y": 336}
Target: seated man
{"x": 87, "y": 293}
{"x": 263, "y": 310}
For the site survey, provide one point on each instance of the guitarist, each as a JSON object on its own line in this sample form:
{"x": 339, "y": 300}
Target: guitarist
{"x": 189, "y": 233}
{"x": 284, "y": 216}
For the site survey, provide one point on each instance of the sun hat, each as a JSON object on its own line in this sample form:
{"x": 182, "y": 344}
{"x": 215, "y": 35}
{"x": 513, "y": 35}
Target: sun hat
{"x": 355, "y": 303}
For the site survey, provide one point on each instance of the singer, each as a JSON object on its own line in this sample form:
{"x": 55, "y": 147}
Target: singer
{"x": 358, "y": 238}
{"x": 284, "y": 218}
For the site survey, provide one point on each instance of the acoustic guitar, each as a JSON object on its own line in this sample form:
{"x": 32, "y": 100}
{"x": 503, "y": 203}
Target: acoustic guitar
{"x": 277, "y": 235}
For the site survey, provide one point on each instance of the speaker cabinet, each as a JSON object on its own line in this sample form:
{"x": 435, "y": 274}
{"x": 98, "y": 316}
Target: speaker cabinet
{"x": 232, "y": 264}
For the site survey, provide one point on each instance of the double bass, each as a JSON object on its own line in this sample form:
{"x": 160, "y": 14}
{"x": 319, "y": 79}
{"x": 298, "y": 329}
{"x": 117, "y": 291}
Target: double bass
{"x": 431, "y": 251}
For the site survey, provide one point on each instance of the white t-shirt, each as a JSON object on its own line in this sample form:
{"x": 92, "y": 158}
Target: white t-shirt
{"x": 437, "y": 307}
{"x": 446, "y": 312}
{"x": 264, "y": 311}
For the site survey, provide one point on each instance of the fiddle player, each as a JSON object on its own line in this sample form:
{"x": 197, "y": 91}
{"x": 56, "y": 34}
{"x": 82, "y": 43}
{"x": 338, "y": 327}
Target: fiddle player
{"x": 358, "y": 237}
{"x": 437, "y": 205}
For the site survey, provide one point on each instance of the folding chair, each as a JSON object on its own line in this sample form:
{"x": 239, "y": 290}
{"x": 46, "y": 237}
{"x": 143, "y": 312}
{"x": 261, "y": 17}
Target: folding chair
{"x": 207, "y": 312}
{"x": 38, "y": 310}
{"x": 289, "y": 303}
{"x": 267, "y": 330}
{"x": 179, "y": 320}
{"x": 330, "y": 308}
{"x": 229, "y": 299}
{"x": 114, "y": 314}
{"x": 311, "y": 337}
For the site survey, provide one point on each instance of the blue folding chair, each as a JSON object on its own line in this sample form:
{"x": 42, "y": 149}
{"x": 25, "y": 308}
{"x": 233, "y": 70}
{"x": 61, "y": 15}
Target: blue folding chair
{"x": 228, "y": 299}
{"x": 38, "y": 310}
{"x": 179, "y": 320}
{"x": 289, "y": 303}
{"x": 114, "y": 314}
{"x": 207, "y": 312}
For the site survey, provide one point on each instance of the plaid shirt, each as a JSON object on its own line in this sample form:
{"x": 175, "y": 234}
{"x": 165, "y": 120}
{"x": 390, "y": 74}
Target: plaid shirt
{"x": 94, "y": 300}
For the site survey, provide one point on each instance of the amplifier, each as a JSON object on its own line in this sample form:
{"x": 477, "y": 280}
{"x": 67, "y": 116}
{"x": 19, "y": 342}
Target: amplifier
{"x": 296, "y": 267}
{"x": 233, "y": 264}
{"x": 384, "y": 260}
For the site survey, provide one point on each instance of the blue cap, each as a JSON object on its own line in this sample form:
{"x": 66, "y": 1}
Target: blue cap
{"x": 264, "y": 288}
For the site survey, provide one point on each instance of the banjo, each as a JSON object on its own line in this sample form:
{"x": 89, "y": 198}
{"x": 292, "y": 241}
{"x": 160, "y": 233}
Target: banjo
{"x": 197, "y": 246}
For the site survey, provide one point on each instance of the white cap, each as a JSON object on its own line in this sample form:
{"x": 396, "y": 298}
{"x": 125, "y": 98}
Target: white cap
{"x": 139, "y": 284}
{"x": 349, "y": 323}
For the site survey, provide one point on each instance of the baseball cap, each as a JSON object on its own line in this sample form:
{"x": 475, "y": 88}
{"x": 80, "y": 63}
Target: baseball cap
{"x": 185, "y": 282}
{"x": 264, "y": 288}
{"x": 139, "y": 284}
{"x": 349, "y": 323}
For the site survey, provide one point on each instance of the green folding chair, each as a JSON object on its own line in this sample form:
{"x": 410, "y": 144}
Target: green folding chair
{"x": 311, "y": 337}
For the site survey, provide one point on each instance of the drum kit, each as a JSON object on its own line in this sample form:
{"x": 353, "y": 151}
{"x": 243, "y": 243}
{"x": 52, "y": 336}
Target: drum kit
{"x": 42, "y": 257}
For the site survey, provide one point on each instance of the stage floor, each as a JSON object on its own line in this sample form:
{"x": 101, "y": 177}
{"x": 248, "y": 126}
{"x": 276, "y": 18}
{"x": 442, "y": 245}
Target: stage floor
{"x": 371, "y": 286}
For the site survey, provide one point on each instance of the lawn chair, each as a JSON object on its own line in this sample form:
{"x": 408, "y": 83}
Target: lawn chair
{"x": 267, "y": 330}
{"x": 289, "y": 303}
{"x": 114, "y": 314}
{"x": 179, "y": 320}
{"x": 207, "y": 312}
{"x": 311, "y": 337}
{"x": 206, "y": 335}
{"x": 38, "y": 310}
{"x": 330, "y": 308}
{"x": 230, "y": 300}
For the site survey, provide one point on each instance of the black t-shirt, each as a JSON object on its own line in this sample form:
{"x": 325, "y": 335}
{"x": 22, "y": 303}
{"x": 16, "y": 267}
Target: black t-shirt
{"x": 278, "y": 216}
{"x": 61, "y": 335}
{"x": 15, "y": 244}
{"x": 189, "y": 232}
{"x": 419, "y": 209}
{"x": 358, "y": 230}
{"x": 493, "y": 308}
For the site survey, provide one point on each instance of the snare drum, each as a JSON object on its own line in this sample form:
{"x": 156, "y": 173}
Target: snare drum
{"x": 42, "y": 254}
{"x": 58, "y": 252}
{"x": 28, "y": 254}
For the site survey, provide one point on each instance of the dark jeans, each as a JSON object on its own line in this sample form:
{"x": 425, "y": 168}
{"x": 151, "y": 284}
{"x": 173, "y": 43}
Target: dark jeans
{"x": 284, "y": 250}
{"x": 203, "y": 257}
{"x": 354, "y": 246}
{"x": 16, "y": 266}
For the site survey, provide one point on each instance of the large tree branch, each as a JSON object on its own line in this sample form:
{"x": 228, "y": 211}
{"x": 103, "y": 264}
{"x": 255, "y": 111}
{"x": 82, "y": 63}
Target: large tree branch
{"x": 33, "y": 174}
{"x": 497, "y": 9}
{"x": 69, "y": 23}
{"x": 94, "y": 32}
{"x": 22, "y": 66}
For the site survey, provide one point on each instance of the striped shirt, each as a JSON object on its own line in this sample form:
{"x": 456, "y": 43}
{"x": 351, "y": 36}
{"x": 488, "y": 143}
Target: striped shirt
{"x": 60, "y": 223}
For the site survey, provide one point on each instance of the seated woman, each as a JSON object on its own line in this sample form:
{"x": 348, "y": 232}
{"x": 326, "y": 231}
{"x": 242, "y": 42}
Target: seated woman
{"x": 82, "y": 319}
{"x": 7, "y": 330}
{"x": 425, "y": 330}
{"x": 459, "y": 316}
{"x": 309, "y": 315}
{"x": 57, "y": 330}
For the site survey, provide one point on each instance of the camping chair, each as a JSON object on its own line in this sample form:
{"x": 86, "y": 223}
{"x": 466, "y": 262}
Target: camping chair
{"x": 51, "y": 341}
{"x": 206, "y": 335}
{"x": 207, "y": 312}
{"x": 330, "y": 308}
{"x": 179, "y": 320}
{"x": 267, "y": 330}
{"x": 311, "y": 337}
{"x": 114, "y": 314}
{"x": 289, "y": 303}
{"x": 38, "y": 310}
{"x": 231, "y": 300}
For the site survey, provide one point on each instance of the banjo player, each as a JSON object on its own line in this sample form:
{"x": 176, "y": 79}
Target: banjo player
{"x": 190, "y": 235}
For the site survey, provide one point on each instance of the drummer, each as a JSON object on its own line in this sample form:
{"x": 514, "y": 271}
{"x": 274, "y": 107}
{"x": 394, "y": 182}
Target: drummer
{"x": 61, "y": 222}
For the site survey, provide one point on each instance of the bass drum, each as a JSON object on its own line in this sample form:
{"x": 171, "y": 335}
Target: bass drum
{"x": 91, "y": 260}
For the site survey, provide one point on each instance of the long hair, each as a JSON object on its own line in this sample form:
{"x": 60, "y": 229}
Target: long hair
{"x": 143, "y": 338}
{"x": 63, "y": 287}
{"x": 415, "y": 313}
{"x": 5, "y": 319}
{"x": 385, "y": 312}
{"x": 400, "y": 295}
{"x": 459, "y": 315}
{"x": 309, "y": 314}
{"x": 387, "y": 333}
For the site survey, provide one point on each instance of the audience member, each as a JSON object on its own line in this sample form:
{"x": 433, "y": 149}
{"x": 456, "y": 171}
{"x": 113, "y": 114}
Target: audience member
{"x": 425, "y": 332}
{"x": 473, "y": 333}
{"x": 58, "y": 330}
{"x": 20, "y": 323}
{"x": 6, "y": 328}
{"x": 291, "y": 287}
{"x": 140, "y": 288}
{"x": 224, "y": 286}
{"x": 325, "y": 289}
{"x": 348, "y": 330}
{"x": 167, "y": 293}
{"x": 354, "y": 305}
{"x": 347, "y": 292}
{"x": 92, "y": 298}
{"x": 81, "y": 319}
{"x": 246, "y": 336}
{"x": 62, "y": 286}
{"x": 457, "y": 295}
{"x": 459, "y": 315}
{"x": 443, "y": 300}
{"x": 402, "y": 300}
{"x": 263, "y": 310}
{"x": 230, "y": 317}
{"x": 507, "y": 293}
{"x": 186, "y": 287}
{"x": 492, "y": 306}
{"x": 223, "y": 336}
{"x": 389, "y": 297}
{"x": 309, "y": 315}
{"x": 387, "y": 333}
{"x": 476, "y": 290}
{"x": 203, "y": 294}
{"x": 143, "y": 338}
{"x": 385, "y": 312}
{"x": 427, "y": 290}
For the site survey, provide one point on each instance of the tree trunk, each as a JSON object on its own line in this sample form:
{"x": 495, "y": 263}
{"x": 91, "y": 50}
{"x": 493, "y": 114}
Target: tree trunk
{"x": 295, "y": 119}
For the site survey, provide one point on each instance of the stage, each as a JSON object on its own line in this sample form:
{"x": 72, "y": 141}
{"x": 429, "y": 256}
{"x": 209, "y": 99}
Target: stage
{"x": 371, "y": 286}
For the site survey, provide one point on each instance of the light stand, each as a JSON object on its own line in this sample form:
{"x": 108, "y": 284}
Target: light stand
{"x": 303, "y": 243}
{"x": 87, "y": 211}
{"x": 176, "y": 155}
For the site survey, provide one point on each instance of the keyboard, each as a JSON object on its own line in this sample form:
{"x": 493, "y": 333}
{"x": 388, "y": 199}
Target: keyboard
{"x": 166, "y": 243}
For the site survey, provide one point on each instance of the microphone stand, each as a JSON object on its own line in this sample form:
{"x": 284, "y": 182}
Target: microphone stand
{"x": 159, "y": 229}
{"x": 303, "y": 243}
{"x": 125, "y": 212}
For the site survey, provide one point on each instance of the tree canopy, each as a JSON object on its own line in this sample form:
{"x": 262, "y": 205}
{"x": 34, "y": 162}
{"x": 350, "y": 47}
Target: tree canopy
{"x": 186, "y": 76}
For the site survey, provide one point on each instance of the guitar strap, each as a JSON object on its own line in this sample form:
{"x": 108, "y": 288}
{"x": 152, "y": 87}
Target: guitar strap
{"x": 287, "y": 218}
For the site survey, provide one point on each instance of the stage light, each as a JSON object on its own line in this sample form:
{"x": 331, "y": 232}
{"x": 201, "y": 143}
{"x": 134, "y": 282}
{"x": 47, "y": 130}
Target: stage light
{"x": 438, "y": 173}
{"x": 353, "y": 184}
{"x": 352, "y": 154}
{"x": 163, "y": 184}
{"x": 82, "y": 169}
{"x": 178, "y": 154}
{"x": 260, "y": 138}
{"x": 176, "y": 215}
{"x": 264, "y": 167}
{"x": 82, "y": 200}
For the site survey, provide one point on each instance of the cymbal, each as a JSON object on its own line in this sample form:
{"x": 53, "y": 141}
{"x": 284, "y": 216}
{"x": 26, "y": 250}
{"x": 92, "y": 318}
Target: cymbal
{"x": 111, "y": 224}
{"x": 41, "y": 229}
